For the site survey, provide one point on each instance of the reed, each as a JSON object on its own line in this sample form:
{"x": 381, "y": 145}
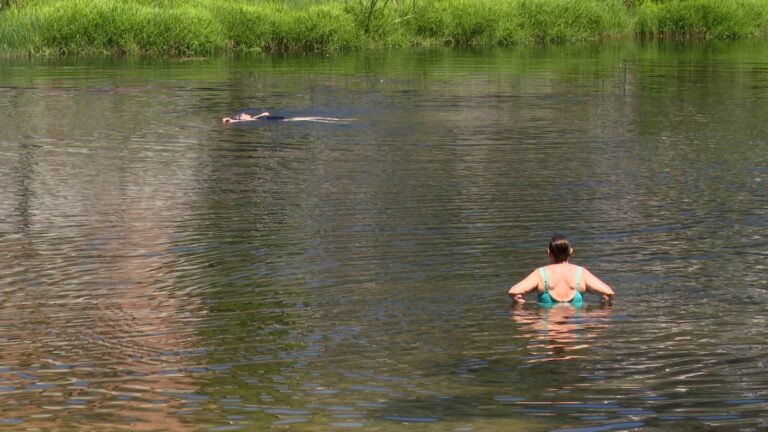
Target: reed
{"x": 213, "y": 27}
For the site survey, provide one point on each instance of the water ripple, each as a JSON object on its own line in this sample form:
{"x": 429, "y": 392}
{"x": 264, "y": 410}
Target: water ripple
{"x": 162, "y": 272}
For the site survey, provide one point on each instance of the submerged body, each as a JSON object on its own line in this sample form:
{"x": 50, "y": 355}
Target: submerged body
{"x": 265, "y": 116}
{"x": 560, "y": 281}
{"x": 250, "y": 117}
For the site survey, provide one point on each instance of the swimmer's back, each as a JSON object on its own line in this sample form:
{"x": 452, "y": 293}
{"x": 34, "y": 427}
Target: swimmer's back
{"x": 564, "y": 282}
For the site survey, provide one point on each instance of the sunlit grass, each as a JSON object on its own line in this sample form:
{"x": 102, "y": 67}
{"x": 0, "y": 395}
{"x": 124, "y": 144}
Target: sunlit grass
{"x": 713, "y": 19}
{"x": 212, "y": 27}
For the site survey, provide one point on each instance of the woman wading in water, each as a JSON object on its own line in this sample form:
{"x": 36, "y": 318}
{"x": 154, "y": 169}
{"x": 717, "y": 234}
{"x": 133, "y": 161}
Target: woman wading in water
{"x": 560, "y": 281}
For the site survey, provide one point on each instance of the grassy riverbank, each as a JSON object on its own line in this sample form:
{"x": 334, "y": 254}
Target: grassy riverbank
{"x": 210, "y": 27}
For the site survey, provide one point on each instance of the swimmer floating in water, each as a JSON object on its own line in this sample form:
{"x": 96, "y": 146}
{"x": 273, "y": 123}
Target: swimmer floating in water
{"x": 560, "y": 281}
{"x": 250, "y": 117}
{"x": 265, "y": 116}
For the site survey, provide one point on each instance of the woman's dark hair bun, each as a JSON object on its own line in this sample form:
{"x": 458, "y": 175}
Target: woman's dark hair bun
{"x": 560, "y": 247}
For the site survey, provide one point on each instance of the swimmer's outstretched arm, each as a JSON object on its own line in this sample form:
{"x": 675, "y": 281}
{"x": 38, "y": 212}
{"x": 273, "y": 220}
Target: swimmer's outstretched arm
{"x": 595, "y": 285}
{"x": 529, "y": 284}
{"x": 244, "y": 117}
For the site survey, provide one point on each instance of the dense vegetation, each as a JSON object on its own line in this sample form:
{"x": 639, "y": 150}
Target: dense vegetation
{"x": 209, "y": 27}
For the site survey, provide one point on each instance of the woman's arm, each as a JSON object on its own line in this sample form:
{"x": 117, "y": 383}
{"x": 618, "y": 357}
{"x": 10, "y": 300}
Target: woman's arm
{"x": 593, "y": 284}
{"x": 244, "y": 117}
{"x": 523, "y": 287}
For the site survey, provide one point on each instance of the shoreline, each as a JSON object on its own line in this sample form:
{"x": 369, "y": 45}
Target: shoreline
{"x": 199, "y": 28}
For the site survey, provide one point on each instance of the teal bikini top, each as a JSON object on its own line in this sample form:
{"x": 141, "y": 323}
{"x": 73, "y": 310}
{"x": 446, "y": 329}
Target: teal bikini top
{"x": 546, "y": 300}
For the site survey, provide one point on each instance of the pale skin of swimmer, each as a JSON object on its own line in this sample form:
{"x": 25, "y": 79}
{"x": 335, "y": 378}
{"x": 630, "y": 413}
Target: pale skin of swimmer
{"x": 562, "y": 282}
{"x": 244, "y": 117}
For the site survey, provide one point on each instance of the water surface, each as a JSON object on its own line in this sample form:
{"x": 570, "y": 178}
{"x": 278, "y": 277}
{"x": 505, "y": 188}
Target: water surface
{"x": 162, "y": 271}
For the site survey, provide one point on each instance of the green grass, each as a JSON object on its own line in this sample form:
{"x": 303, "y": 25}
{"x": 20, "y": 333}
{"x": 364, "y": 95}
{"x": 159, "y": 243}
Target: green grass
{"x": 710, "y": 19}
{"x": 181, "y": 28}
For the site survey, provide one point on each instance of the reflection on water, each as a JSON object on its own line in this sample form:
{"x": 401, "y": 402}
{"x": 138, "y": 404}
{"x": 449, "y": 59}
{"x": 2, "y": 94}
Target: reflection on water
{"x": 560, "y": 332}
{"x": 161, "y": 271}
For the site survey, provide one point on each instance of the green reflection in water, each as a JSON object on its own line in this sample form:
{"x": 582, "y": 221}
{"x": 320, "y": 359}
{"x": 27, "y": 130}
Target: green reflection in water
{"x": 356, "y": 273}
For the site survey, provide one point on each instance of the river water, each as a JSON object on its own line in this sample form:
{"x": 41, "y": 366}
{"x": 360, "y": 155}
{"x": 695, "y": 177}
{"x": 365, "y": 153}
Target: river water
{"x": 162, "y": 271}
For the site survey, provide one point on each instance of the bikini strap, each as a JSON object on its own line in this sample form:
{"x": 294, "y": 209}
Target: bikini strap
{"x": 546, "y": 282}
{"x": 578, "y": 276}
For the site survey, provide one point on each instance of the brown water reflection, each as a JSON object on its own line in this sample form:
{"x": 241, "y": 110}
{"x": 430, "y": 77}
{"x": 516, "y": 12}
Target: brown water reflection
{"x": 120, "y": 357}
{"x": 92, "y": 322}
{"x": 146, "y": 328}
{"x": 159, "y": 271}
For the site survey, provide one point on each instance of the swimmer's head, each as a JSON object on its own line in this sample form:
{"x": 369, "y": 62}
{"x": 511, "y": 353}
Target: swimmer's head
{"x": 559, "y": 248}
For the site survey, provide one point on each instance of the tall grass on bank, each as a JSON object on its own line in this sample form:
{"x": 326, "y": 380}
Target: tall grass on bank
{"x": 210, "y": 27}
{"x": 171, "y": 27}
{"x": 710, "y": 19}
{"x": 470, "y": 22}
